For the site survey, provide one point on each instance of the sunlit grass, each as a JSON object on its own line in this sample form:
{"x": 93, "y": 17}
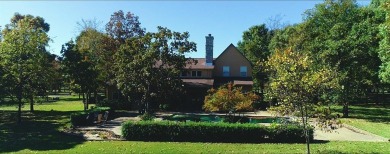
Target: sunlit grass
{"x": 186, "y": 147}
{"x": 66, "y": 103}
{"x": 378, "y": 128}
{"x": 372, "y": 119}
{"x": 40, "y": 133}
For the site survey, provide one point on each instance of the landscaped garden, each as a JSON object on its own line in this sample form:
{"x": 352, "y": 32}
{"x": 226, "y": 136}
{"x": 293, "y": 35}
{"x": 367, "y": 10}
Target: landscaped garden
{"x": 41, "y": 131}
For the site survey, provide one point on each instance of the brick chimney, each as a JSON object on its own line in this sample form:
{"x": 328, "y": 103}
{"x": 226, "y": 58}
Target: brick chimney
{"x": 209, "y": 50}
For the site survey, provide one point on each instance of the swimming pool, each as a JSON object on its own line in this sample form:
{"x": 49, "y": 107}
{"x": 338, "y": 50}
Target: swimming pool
{"x": 221, "y": 118}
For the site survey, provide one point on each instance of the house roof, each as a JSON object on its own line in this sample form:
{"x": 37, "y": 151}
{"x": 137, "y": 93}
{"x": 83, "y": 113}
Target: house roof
{"x": 198, "y": 63}
{"x": 199, "y": 82}
{"x": 232, "y": 46}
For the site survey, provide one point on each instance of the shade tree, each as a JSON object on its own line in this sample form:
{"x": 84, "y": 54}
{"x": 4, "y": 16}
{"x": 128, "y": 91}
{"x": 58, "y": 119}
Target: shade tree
{"x": 24, "y": 58}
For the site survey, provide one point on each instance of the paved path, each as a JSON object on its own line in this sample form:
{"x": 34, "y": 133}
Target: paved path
{"x": 348, "y": 133}
{"x": 345, "y": 133}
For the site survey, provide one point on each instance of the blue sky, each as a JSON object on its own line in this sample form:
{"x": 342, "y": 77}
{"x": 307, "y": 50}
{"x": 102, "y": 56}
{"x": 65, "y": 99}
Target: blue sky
{"x": 225, "y": 20}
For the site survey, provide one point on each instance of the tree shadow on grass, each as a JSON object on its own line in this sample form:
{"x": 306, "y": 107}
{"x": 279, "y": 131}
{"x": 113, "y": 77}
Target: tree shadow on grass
{"x": 372, "y": 114}
{"x": 38, "y": 131}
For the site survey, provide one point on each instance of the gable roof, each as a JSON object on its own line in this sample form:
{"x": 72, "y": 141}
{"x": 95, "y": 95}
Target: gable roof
{"x": 201, "y": 64}
{"x": 232, "y": 46}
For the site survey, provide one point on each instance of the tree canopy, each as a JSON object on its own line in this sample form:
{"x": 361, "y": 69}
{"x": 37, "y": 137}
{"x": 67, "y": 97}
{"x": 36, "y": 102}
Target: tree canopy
{"x": 24, "y": 57}
{"x": 151, "y": 64}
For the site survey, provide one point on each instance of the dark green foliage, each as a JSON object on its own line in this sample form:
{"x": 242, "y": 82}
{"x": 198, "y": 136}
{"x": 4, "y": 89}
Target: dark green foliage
{"x": 100, "y": 109}
{"x": 87, "y": 118}
{"x": 211, "y": 132}
{"x": 289, "y": 133}
{"x": 115, "y": 104}
{"x": 147, "y": 117}
{"x": 80, "y": 119}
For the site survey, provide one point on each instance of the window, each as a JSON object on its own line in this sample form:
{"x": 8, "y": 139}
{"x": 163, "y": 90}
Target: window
{"x": 199, "y": 73}
{"x": 226, "y": 71}
{"x": 196, "y": 73}
{"x": 243, "y": 71}
{"x": 184, "y": 73}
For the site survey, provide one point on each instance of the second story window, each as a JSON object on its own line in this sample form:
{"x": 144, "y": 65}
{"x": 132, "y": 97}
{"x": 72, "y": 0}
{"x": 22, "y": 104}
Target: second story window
{"x": 243, "y": 71}
{"x": 199, "y": 73}
{"x": 184, "y": 73}
{"x": 226, "y": 71}
{"x": 196, "y": 73}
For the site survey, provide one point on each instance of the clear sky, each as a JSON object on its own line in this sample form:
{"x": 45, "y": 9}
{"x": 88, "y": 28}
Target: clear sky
{"x": 225, "y": 20}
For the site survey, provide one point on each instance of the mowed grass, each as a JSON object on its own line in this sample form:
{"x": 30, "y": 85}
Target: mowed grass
{"x": 374, "y": 119}
{"x": 66, "y": 103}
{"x": 40, "y": 133}
{"x": 185, "y": 147}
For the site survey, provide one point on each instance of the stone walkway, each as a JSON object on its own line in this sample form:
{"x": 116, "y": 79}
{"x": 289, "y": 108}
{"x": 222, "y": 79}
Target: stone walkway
{"x": 345, "y": 133}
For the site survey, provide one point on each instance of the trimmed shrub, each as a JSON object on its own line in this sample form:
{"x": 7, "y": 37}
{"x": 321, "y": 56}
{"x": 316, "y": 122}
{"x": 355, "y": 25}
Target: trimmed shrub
{"x": 289, "y": 133}
{"x": 80, "y": 119}
{"x": 209, "y": 132}
{"x": 147, "y": 117}
{"x": 87, "y": 118}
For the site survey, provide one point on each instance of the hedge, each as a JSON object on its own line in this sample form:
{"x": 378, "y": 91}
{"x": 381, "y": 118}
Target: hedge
{"x": 211, "y": 132}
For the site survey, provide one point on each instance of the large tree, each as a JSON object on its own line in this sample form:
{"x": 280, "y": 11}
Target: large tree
{"x": 384, "y": 53}
{"x": 124, "y": 26}
{"x": 24, "y": 57}
{"x": 254, "y": 46}
{"x": 150, "y": 64}
{"x": 79, "y": 69}
{"x": 344, "y": 35}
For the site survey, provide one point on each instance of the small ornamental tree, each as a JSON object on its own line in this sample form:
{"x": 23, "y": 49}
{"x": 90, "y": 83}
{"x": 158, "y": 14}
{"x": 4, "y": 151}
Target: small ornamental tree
{"x": 228, "y": 99}
{"x": 298, "y": 85}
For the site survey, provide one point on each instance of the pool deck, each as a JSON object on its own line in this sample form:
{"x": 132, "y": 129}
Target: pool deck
{"x": 345, "y": 133}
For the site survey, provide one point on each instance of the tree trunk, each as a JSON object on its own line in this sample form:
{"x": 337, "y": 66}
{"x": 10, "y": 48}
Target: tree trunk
{"x": 31, "y": 103}
{"x": 88, "y": 99}
{"x": 345, "y": 110}
{"x": 305, "y": 131}
{"x": 96, "y": 97}
{"x": 20, "y": 109}
{"x": 20, "y": 105}
{"x": 84, "y": 101}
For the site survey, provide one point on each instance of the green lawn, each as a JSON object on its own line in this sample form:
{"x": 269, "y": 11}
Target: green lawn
{"x": 369, "y": 118}
{"x": 185, "y": 147}
{"x": 39, "y": 132}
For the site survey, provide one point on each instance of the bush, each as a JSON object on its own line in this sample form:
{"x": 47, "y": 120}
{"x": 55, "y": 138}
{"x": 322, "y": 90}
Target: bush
{"x": 147, "y": 117}
{"x": 87, "y": 118}
{"x": 209, "y": 132}
{"x": 100, "y": 109}
{"x": 80, "y": 119}
{"x": 115, "y": 104}
{"x": 289, "y": 133}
